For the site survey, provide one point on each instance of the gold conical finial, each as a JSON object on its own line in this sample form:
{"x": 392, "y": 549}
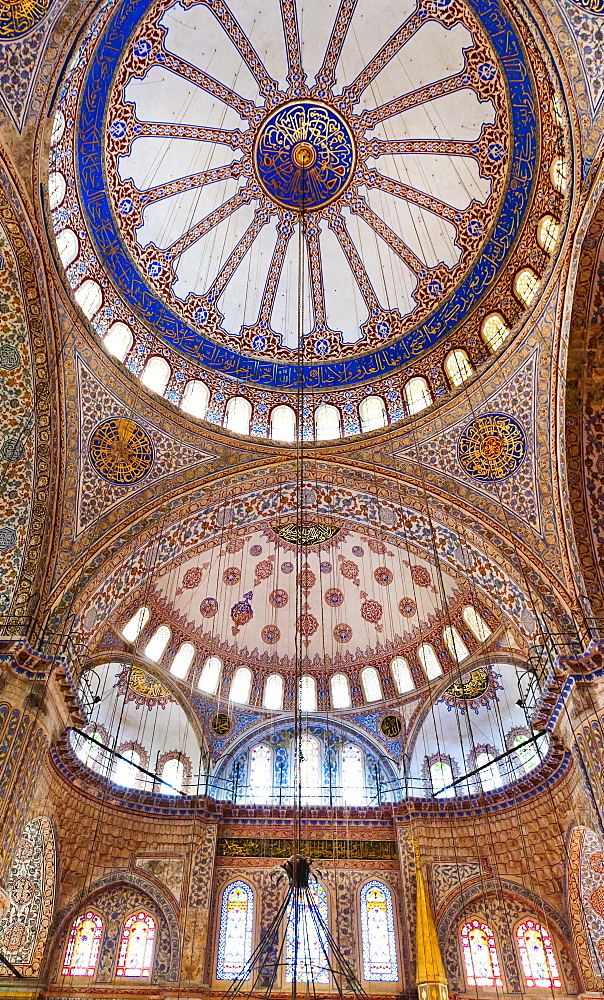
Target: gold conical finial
{"x": 430, "y": 972}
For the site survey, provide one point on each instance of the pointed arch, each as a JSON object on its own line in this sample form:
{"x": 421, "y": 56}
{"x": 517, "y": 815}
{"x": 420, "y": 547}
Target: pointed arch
{"x": 480, "y": 954}
{"x": 378, "y": 938}
{"x": 236, "y": 930}
{"x": 83, "y": 946}
{"x": 135, "y": 957}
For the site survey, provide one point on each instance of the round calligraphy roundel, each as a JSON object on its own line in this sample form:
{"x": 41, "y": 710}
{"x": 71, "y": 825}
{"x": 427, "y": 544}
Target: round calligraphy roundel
{"x": 304, "y": 156}
{"x": 492, "y": 447}
{"x": 18, "y": 16}
{"x": 121, "y": 451}
{"x": 207, "y": 135}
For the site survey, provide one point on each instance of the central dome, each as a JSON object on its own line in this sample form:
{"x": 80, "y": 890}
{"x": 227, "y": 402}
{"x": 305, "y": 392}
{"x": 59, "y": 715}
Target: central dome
{"x": 304, "y": 156}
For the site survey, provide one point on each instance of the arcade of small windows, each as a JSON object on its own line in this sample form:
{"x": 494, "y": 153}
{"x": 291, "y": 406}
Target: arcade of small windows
{"x": 534, "y": 947}
{"x": 184, "y": 657}
{"x": 307, "y": 960}
{"x": 327, "y": 772}
{"x": 135, "y": 955}
{"x": 488, "y": 768}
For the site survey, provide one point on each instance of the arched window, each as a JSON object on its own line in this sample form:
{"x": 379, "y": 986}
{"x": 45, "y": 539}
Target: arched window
{"x": 195, "y": 398}
{"x": 429, "y": 661}
{"x": 283, "y": 424}
{"x": 173, "y": 773}
{"x": 155, "y": 648}
{"x": 370, "y": 679}
{"x": 58, "y": 128}
{"x": 82, "y": 952}
{"x": 377, "y": 931}
{"x": 537, "y": 955}
{"x": 528, "y": 755}
{"x": 490, "y": 778}
{"x": 308, "y": 694}
{"x": 156, "y": 375}
{"x": 327, "y": 422}
{"x": 372, "y": 411}
{"x": 210, "y": 675}
{"x": 403, "y": 677}
{"x": 238, "y": 415}
{"x": 56, "y": 189}
{"x": 87, "y": 751}
{"x": 458, "y": 367}
{"x": 526, "y": 284}
{"x": 353, "y": 775}
{"x": 310, "y": 776}
{"x": 273, "y": 692}
{"x": 455, "y": 644}
{"x": 118, "y": 340}
{"x": 340, "y": 691}
{"x": 124, "y": 773}
{"x": 133, "y": 628}
{"x": 559, "y": 174}
{"x": 89, "y": 297}
{"x": 241, "y": 686}
{"x": 417, "y": 395}
{"x": 476, "y": 623}
{"x": 236, "y": 929}
{"x": 311, "y": 948}
{"x": 441, "y": 777}
{"x": 68, "y": 246}
{"x": 260, "y": 774}
{"x": 548, "y": 233}
{"x": 494, "y": 331}
{"x": 136, "y": 947}
{"x": 183, "y": 660}
{"x": 480, "y": 955}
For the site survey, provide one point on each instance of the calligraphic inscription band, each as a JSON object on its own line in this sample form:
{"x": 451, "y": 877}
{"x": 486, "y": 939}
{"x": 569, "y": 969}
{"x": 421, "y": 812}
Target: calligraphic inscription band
{"x": 360, "y": 850}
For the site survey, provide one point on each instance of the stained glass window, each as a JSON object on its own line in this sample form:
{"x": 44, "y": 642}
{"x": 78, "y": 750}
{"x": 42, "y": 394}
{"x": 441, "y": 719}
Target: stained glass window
{"x": 494, "y": 330}
{"x": 210, "y": 674}
{"x": 195, "y": 398}
{"x": 537, "y": 955}
{"x": 183, "y": 659}
{"x": 340, "y": 691}
{"x": 455, "y": 644}
{"x": 156, "y": 375}
{"x": 371, "y": 684}
{"x": 236, "y": 927}
{"x": 353, "y": 777}
{"x": 310, "y": 777}
{"x": 118, "y": 340}
{"x": 238, "y": 415}
{"x": 261, "y": 773}
{"x": 136, "y": 947}
{"x": 429, "y": 661}
{"x": 480, "y": 955}
{"x": 377, "y": 928}
{"x": 458, "y": 367}
{"x": 372, "y": 412}
{"x": 417, "y": 395}
{"x": 173, "y": 773}
{"x": 312, "y": 948}
{"x": 133, "y": 628}
{"x": 82, "y": 951}
{"x": 308, "y": 694}
{"x": 240, "y": 686}
{"x": 327, "y": 422}
{"x": 476, "y": 623}
{"x": 402, "y": 674}
{"x": 273, "y": 692}
{"x": 490, "y": 778}
{"x": 441, "y": 777}
{"x": 283, "y": 424}
{"x": 156, "y": 646}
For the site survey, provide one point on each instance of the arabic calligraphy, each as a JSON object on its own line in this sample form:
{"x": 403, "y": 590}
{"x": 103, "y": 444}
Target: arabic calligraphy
{"x": 18, "y": 16}
{"x": 304, "y": 155}
{"x": 358, "y": 850}
{"x": 121, "y": 451}
{"x": 472, "y": 685}
{"x": 491, "y": 447}
{"x": 306, "y": 534}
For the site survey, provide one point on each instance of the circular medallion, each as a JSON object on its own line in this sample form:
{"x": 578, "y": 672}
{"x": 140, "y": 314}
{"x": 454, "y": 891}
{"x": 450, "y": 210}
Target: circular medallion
{"x": 342, "y": 632}
{"x": 491, "y": 447}
{"x": 220, "y": 724}
{"x": 304, "y": 156}
{"x": 391, "y": 726}
{"x": 18, "y": 16}
{"x": 208, "y": 607}
{"x": 270, "y": 634}
{"x": 121, "y": 451}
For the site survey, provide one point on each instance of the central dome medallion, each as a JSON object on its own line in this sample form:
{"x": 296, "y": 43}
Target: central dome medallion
{"x": 304, "y": 156}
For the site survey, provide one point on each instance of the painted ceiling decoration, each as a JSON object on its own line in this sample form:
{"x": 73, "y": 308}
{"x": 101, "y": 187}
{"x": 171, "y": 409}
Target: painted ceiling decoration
{"x": 491, "y": 447}
{"x": 121, "y": 451}
{"x": 306, "y": 534}
{"x": 17, "y": 17}
{"x": 406, "y": 136}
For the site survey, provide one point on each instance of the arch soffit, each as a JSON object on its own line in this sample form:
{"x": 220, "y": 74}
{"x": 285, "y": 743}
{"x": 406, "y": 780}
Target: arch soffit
{"x": 125, "y": 876}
